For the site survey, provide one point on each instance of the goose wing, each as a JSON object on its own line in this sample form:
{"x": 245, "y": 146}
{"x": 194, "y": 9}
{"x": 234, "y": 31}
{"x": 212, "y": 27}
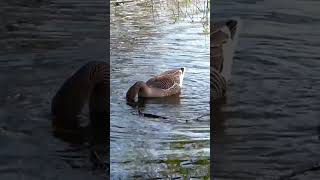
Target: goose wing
{"x": 169, "y": 72}
{"x": 217, "y": 85}
{"x": 217, "y": 57}
{"x": 161, "y": 82}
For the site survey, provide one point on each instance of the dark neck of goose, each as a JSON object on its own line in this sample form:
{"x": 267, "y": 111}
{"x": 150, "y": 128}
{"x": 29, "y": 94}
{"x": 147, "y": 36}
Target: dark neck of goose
{"x": 89, "y": 83}
{"x": 134, "y": 91}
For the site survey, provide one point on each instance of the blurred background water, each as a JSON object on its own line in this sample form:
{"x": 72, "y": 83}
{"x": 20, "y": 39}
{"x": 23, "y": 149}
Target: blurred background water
{"x": 269, "y": 126}
{"x": 147, "y": 38}
{"x": 43, "y": 43}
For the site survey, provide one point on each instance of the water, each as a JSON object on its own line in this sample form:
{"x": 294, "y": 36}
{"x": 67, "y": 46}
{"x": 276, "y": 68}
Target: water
{"x": 268, "y": 128}
{"x": 147, "y": 39}
{"x": 43, "y": 43}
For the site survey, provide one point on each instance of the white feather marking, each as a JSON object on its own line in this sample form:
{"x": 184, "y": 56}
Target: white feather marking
{"x": 228, "y": 51}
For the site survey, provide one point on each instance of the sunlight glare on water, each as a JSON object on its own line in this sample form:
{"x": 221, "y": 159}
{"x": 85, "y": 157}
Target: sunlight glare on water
{"x": 147, "y": 39}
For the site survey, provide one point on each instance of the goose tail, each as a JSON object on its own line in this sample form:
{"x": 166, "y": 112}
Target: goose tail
{"x": 234, "y": 25}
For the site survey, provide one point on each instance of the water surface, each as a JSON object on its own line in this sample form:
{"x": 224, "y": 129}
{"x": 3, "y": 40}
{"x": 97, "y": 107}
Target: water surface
{"x": 147, "y": 39}
{"x": 268, "y": 128}
{"x": 43, "y": 43}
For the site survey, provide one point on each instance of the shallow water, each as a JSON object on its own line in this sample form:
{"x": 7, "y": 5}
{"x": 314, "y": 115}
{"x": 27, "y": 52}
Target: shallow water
{"x": 268, "y": 128}
{"x": 146, "y": 40}
{"x": 43, "y": 43}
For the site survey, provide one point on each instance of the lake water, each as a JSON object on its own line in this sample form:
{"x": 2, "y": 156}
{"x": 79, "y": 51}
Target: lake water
{"x": 43, "y": 43}
{"x": 147, "y": 39}
{"x": 269, "y": 126}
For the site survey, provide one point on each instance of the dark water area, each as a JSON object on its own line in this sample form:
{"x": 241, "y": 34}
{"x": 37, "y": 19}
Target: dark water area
{"x": 147, "y": 39}
{"x": 42, "y": 44}
{"x": 269, "y": 126}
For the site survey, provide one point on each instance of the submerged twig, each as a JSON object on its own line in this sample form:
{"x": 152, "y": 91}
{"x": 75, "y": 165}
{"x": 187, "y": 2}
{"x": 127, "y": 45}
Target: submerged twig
{"x": 98, "y": 160}
{"x": 118, "y": 3}
{"x": 198, "y": 118}
{"x": 151, "y": 115}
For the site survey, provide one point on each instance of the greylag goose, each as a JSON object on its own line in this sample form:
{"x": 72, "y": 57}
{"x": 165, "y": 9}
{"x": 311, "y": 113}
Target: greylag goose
{"x": 224, "y": 38}
{"x": 89, "y": 83}
{"x": 166, "y": 84}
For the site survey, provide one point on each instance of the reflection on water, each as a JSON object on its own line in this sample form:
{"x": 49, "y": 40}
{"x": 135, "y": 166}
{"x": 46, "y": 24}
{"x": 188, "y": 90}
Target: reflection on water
{"x": 43, "y": 43}
{"x": 146, "y": 39}
{"x": 268, "y": 127}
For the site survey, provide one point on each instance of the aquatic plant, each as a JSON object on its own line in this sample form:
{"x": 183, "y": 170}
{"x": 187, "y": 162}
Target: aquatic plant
{"x": 194, "y": 11}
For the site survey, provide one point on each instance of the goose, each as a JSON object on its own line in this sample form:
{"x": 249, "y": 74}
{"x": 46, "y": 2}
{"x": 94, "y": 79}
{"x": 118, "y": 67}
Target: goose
{"x": 165, "y": 84}
{"x": 224, "y": 39}
{"x": 89, "y": 84}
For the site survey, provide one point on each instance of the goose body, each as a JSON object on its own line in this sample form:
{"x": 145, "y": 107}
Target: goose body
{"x": 224, "y": 38}
{"x": 165, "y": 84}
